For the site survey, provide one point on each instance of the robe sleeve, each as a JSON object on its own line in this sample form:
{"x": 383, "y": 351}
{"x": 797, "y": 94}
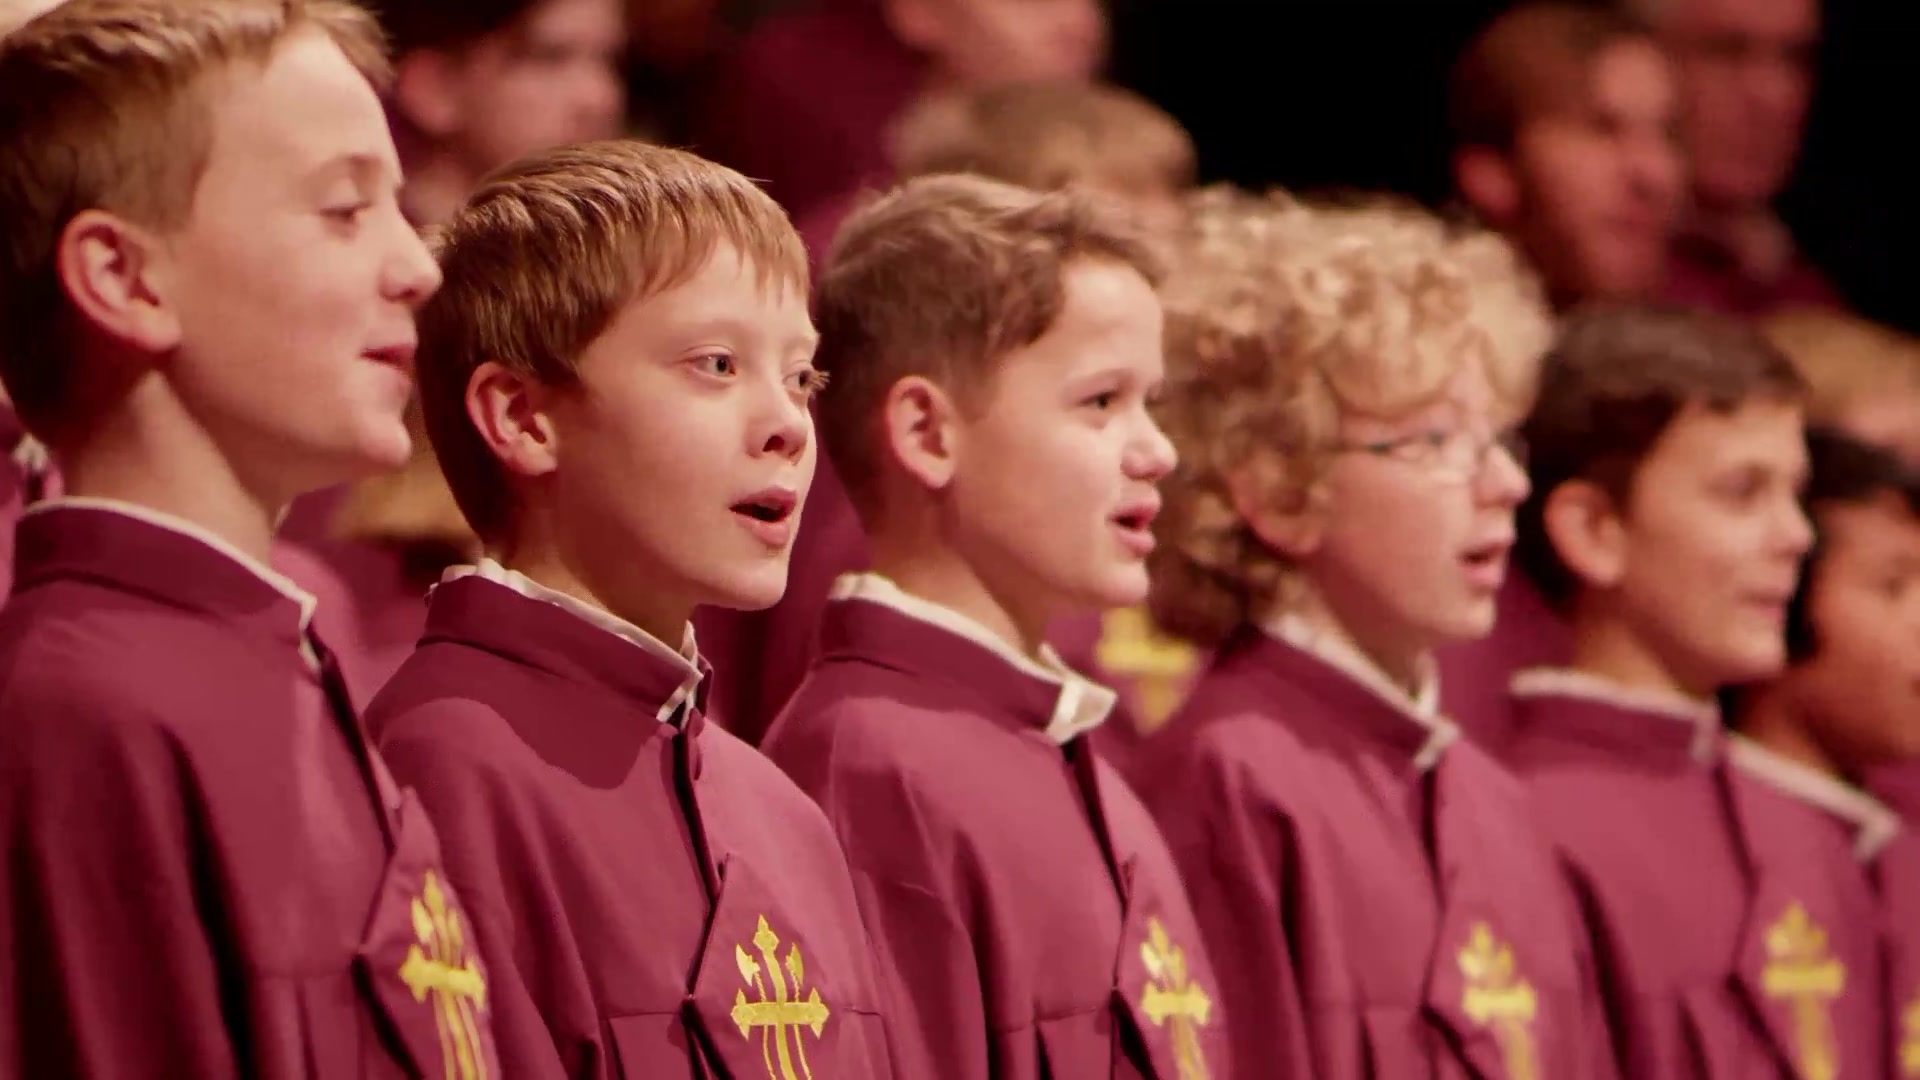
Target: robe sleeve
{"x": 1238, "y": 861}
{"x": 478, "y": 842}
{"x": 116, "y": 973}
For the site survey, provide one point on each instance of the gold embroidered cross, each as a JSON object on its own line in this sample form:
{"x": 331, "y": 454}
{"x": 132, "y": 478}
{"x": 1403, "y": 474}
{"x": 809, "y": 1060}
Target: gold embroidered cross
{"x": 782, "y": 1014}
{"x": 1131, "y": 648}
{"x": 1910, "y": 1039}
{"x": 1497, "y": 998}
{"x": 1801, "y": 972}
{"x": 440, "y": 966}
{"x": 1172, "y": 999}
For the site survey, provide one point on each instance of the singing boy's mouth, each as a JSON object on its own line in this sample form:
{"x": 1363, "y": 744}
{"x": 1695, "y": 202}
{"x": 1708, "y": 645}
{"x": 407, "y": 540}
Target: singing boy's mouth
{"x": 769, "y": 515}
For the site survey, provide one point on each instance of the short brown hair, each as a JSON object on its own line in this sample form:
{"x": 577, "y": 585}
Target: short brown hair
{"x": 103, "y": 105}
{"x": 1046, "y": 135}
{"x": 448, "y": 24}
{"x": 547, "y": 252}
{"x": 1282, "y": 318}
{"x": 1616, "y": 380}
{"x": 942, "y": 277}
{"x": 1532, "y": 59}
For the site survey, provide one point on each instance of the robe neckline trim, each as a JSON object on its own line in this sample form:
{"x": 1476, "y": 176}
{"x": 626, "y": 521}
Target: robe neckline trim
{"x": 1874, "y": 823}
{"x": 1081, "y": 705}
{"x": 305, "y": 601}
{"x": 685, "y": 660}
{"x": 1702, "y": 716}
{"x": 1422, "y": 708}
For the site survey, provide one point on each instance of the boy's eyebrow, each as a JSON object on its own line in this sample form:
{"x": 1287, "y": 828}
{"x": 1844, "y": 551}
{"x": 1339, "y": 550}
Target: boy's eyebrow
{"x": 363, "y": 168}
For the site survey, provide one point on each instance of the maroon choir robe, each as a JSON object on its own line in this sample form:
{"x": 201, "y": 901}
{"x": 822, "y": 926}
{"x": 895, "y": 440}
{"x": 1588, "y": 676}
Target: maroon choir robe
{"x": 1149, "y": 672}
{"x": 1762, "y": 275}
{"x": 1474, "y": 675}
{"x": 210, "y": 874}
{"x": 1371, "y": 885}
{"x": 1895, "y": 872}
{"x": 660, "y": 901}
{"x": 804, "y": 103}
{"x": 1030, "y": 917}
{"x": 1825, "y": 834}
{"x": 1714, "y": 957}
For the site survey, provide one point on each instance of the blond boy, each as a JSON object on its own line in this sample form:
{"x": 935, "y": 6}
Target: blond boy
{"x": 206, "y": 309}
{"x": 993, "y": 351}
{"x": 616, "y": 379}
{"x": 1344, "y": 384}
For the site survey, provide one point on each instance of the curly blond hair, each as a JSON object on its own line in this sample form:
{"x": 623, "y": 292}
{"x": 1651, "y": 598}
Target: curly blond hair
{"x": 1283, "y": 316}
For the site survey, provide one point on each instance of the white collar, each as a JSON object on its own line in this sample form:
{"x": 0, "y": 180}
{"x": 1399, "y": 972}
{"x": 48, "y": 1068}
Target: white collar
{"x": 1082, "y": 705}
{"x": 1874, "y": 823}
{"x": 1423, "y": 707}
{"x": 686, "y": 658}
{"x": 1702, "y": 716}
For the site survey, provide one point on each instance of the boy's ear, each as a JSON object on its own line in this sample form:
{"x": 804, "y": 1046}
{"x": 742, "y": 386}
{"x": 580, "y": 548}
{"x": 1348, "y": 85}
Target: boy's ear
{"x": 426, "y": 91}
{"x": 115, "y": 274}
{"x": 1585, "y": 527}
{"x": 1485, "y": 179}
{"x": 509, "y": 412}
{"x": 918, "y": 421}
{"x": 1285, "y": 524}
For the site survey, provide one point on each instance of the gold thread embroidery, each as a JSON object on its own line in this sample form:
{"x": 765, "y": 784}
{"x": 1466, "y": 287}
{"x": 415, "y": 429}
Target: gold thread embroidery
{"x": 1910, "y": 1039}
{"x": 1801, "y": 972}
{"x": 1497, "y": 997}
{"x": 441, "y": 966}
{"x": 1132, "y": 648}
{"x": 782, "y": 1013}
{"x": 1171, "y": 1000}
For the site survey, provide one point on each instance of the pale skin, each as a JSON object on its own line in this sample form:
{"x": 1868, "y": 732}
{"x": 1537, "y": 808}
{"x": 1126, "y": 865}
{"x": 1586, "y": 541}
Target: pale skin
{"x": 1409, "y": 549}
{"x": 630, "y": 487}
{"x": 263, "y": 347}
{"x": 1035, "y": 500}
{"x": 1684, "y": 589}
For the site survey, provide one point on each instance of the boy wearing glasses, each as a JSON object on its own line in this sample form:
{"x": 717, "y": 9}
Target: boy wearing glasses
{"x": 1667, "y": 458}
{"x": 1339, "y": 379}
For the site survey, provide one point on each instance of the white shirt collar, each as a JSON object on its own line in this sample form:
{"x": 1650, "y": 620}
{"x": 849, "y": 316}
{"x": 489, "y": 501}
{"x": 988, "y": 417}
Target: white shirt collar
{"x": 1082, "y": 705}
{"x": 1874, "y": 823}
{"x": 1702, "y": 716}
{"x": 686, "y": 658}
{"x": 1422, "y": 707}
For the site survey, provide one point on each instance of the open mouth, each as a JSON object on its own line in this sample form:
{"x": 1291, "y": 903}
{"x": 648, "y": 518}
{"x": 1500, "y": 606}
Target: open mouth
{"x": 771, "y": 507}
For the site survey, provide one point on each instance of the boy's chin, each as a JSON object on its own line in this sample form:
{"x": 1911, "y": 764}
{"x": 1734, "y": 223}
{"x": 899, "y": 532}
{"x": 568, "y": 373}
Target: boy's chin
{"x": 749, "y": 591}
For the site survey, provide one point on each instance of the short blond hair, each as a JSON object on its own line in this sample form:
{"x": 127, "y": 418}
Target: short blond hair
{"x": 544, "y": 256}
{"x": 941, "y": 278}
{"x": 1285, "y": 316}
{"x": 1845, "y": 359}
{"x": 104, "y": 105}
{"x": 1046, "y": 135}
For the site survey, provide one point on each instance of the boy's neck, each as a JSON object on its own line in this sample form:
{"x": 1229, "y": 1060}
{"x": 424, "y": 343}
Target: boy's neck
{"x": 1769, "y": 719}
{"x": 934, "y": 572}
{"x": 1408, "y": 665}
{"x": 173, "y": 469}
{"x": 1608, "y": 647}
{"x": 548, "y": 564}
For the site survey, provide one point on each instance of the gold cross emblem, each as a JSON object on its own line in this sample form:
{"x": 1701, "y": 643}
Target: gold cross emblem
{"x": 1910, "y": 1039}
{"x": 782, "y": 1014}
{"x": 1498, "y": 998}
{"x": 439, "y": 965}
{"x": 1172, "y": 1000}
{"x": 1801, "y": 972}
{"x": 1132, "y": 648}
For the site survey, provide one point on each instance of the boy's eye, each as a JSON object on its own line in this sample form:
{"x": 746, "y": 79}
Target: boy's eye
{"x": 719, "y": 364}
{"x": 1104, "y": 400}
{"x": 346, "y": 215}
{"x": 809, "y": 381}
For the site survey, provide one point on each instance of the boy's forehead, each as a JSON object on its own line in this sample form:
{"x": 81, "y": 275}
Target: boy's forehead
{"x": 307, "y": 113}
